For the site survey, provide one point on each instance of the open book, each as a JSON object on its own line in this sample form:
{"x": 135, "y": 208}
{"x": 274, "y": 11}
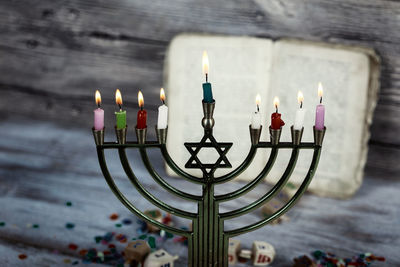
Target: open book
{"x": 241, "y": 67}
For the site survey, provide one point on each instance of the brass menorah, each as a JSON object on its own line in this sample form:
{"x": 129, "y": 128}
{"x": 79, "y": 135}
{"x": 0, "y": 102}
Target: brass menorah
{"x": 208, "y": 240}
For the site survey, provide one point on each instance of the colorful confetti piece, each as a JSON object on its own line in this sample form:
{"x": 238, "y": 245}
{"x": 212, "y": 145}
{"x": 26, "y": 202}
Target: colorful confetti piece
{"x": 2, "y": 224}
{"x": 127, "y": 221}
{"x": 22, "y": 256}
{"x": 118, "y": 225}
{"x": 68, "y": 203}
{"x": 114, "y": 216}
{"x": 73, "y": 246}
{"x": 69, "y": 225}
{"x": 35, "y": 226}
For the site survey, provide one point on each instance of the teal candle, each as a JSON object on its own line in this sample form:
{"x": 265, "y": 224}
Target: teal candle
{"x": 207, "y": 93}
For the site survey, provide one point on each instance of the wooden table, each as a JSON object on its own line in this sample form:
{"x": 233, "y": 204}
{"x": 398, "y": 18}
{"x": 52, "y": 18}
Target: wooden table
{"x": 43, "y": 166}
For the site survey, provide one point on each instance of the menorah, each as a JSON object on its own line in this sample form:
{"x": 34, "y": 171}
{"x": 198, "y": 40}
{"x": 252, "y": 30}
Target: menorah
{"x": 208, "y": 241}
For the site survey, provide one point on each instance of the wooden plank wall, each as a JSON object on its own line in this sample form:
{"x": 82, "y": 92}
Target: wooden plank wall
{"x": 53, "y": 54}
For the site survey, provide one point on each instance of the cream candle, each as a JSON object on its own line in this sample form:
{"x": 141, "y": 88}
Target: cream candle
{"x": 98, "y": 113}
{"x": 162, "y": 112}
{"x": 300, "y": 113}
{"x": 320, "y": 111}
{"x": 256, "y": 117}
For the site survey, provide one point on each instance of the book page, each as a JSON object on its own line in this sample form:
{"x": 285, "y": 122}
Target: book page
{"x": 345, "y": 76}
{"x": 239, "y": 69}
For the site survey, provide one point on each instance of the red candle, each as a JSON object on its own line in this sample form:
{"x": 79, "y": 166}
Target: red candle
{"x": 142, "y": 114}
{"x": 276, "y": 121}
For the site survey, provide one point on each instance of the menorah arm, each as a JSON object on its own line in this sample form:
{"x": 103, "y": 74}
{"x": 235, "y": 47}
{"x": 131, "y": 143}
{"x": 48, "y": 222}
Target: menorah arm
{"x": 270, "y": 194}
{"x": 128, "y": 204}
{"x": 252, "y": 184}
{"x": 303, "y": 187}
{"x": 241, "y": 168}
{"x": 176, "y": 168}
{"x": 146, "y": 194}
{"x": 162, "y": 182}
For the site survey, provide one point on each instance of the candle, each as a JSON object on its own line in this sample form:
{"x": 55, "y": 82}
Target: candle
{"x": 207, "y": 91}
{"x": 299, "y": 119}
{"x": 256, "y": 118}
{"x": 162, "y": 112}
{"x": 320, "y": 111}
{"x": 98, "y": 113}
{"x": 142, "y": 114}
{"x": 276, "y": 121}
{"x": 121, "y": 114}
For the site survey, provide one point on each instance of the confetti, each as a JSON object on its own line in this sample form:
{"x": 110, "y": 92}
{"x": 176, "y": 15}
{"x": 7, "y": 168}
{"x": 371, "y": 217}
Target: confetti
{"x": 83, "y": 252}
{"x": 68, "y": 203}
{"x": 2, "y": 224}
{"x": 35, "y": 226}
{"x": 73, "y": 246}
{"x": 75, "y": 262}
{"x": 152, "y": 242}
{"x": 121, "y": 238}
{"x": 126, "y": 221}
{"x": 69, "y": 225}
{"x": 22, "y": 256}
{"x": 114, "y": 216}
{"x": 118, "y": 225}
{"x": 67, "y": 261}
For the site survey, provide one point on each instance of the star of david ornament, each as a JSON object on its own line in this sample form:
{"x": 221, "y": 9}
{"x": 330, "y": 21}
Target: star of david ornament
{"x": 208, "y": 168}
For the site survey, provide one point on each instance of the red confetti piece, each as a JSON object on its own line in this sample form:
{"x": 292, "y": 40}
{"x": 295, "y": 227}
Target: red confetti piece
{"x": 114, "y": 216}
{"x": 72, "y": 246}
{"x": 111, "y": 246}
{"x": 22, "y": 256}
{"x": 106, "y": 252}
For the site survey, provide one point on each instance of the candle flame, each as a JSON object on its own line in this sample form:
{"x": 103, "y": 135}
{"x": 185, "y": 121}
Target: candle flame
{"x": 98, "y": 98}
{"x": 118, "y": 97}
{"x": 276, "y": 102}
{"x": 258, "y": 99}
{"x": 205, "y": 63}
{"x": 320, "y": 90}
{"x": 162, "y": 94}
{"x": 141, "y": 99}
{"x": 300, "y": 97}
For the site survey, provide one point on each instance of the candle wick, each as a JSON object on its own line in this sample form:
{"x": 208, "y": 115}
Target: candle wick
{"x": 98, "y": 105}
{"x": 163, "y": 101}
{"x": 276, "y": 109}
{"x": 301, "y": 104}
{"x": 120, "y": 107}
{"x": 320, "y": 100}
{"x": 258, "y": 108}
{"x": 206, "y": 77}
{"x": 141, "y": 107}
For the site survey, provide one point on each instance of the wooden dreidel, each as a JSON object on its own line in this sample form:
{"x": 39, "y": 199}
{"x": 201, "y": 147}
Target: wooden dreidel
{"x": 156, "y": 215}
{"x": 160, "y": 258}
{"x": 263, "y": 253}
{"x": 270, "y": 208}
{"x": 233, "y": 250}
{"x": 136, "y": 252}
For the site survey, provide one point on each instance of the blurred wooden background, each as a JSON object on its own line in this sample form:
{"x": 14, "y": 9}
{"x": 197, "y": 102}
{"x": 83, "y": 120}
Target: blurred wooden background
{"x": 54, "y": 54}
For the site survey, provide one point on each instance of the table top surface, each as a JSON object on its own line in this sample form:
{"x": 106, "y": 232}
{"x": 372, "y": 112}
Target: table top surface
{"x": 44, "y": 166}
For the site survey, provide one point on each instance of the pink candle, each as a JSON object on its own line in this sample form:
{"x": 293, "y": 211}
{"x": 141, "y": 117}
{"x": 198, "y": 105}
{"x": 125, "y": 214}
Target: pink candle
{"x": 320, "y": 111}
{"x": 98, "y": 114}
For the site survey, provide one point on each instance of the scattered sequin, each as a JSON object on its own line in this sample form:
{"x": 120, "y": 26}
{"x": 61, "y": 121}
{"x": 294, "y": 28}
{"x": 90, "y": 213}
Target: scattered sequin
{"x": 68, "y": 203}
{"x": 2, "y": 224}
{"x": 22, "y": 256}
{"x": 35, "y": 226}
{"x": 73, "y": 246}
{"x": 69, "y": 225}
{"x": 118, "y": 225}
{"x": 127, "y": 221}
{"x": 114, "y": 216}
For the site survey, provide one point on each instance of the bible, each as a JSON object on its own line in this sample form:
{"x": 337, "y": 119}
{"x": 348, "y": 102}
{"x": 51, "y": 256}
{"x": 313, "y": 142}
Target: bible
{"x": 242, "y": 67}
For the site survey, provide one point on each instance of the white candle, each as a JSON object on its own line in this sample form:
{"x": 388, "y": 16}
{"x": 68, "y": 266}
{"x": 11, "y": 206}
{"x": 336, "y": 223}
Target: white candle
{"x": 300, "y": 113}
{"x": 256, "y": 117}
{"x": 162, "y": 121}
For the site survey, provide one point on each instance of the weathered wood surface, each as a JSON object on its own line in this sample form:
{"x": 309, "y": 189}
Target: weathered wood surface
{"x": 42, "y": 166}
{"x": 54, "y": 54}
